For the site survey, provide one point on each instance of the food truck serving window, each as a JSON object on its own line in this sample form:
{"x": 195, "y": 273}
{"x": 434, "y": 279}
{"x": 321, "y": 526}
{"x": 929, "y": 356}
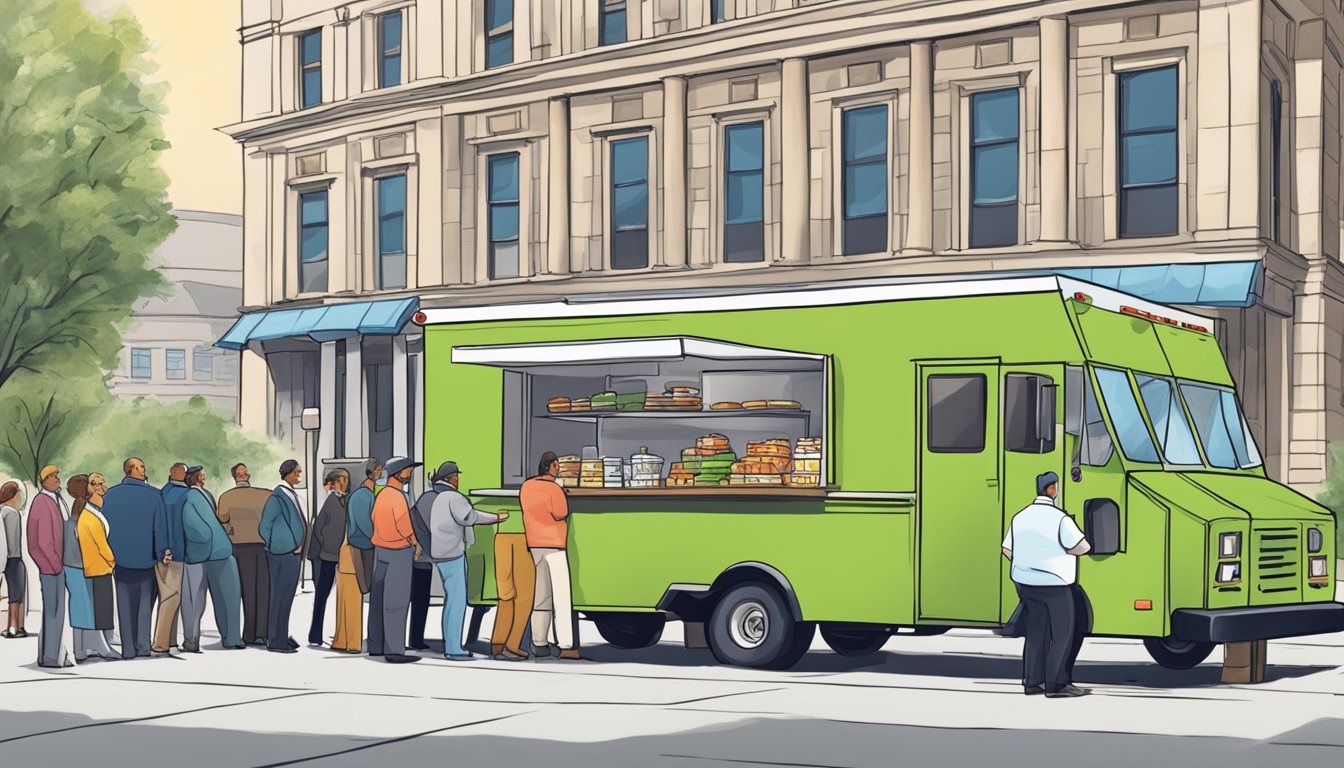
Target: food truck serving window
{"x": 645, "y": 414}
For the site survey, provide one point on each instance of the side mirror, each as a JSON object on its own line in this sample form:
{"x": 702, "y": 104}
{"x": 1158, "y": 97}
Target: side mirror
{"x": 1045, "y": 412}
{"x": 1101, "y": 526}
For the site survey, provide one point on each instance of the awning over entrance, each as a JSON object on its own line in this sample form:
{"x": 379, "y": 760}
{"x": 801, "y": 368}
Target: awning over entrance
{"x": 618, "y": 351}
{"x": 1227, "y": 284}
{"x": 324, "y": 323}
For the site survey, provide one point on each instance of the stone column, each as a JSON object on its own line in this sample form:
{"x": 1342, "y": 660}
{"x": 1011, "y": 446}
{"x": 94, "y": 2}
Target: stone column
{"x": 1054, "y": 101}
{"x": 326, "y": 401}
{"x": 919, "y": 198}
{"x": 254, "y": 385}
{"x": 795, "y": 210}
{"x": 674, "y": 172}
{"x": 557, "y": 230}
{"x": 356, "y": 425}
{"x": 401, "y": 436}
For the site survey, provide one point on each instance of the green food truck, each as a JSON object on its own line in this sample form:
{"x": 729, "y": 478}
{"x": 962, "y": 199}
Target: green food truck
{"x": 848, "y": 458}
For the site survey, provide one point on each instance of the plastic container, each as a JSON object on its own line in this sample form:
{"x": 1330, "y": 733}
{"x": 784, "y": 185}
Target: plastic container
{"x": 645, "y": 469}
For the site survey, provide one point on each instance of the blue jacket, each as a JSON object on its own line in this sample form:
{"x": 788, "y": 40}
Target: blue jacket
{"x": 359, "y": 518}
{"x": 168, "y": 533}
{"x": 206, "y": 539}
{"x": 131, "y": 508}
{"x": 281, "y": 526}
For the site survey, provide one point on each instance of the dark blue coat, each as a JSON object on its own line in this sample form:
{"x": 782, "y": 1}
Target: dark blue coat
{"x": 131, "y": 508}
{"x": 168, "y": 530}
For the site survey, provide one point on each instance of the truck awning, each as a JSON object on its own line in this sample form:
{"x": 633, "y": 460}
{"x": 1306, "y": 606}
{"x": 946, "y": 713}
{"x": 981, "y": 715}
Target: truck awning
{"x": 325, "y": 323}
{"x": 1225, "y": 284}
{"x": 612, "y": 351}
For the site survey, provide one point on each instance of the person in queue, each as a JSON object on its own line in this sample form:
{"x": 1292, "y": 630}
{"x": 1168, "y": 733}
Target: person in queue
{"x": 546, "y": 525}
{"x": 239, "y": 511}
{"x": 359, "y": 522}
{"x": 282, "y": 530}
{"x": 395, "y": 551}
{"x": 210, "y": 567}
{"x": 131, "y": 509}
{"x": 450, "y": 521}
{"x": 324, "y": 548}
{"x": 169, "y": 543}
{"x": 46, "y": 538}
{"x": 86, "y": 639}
{"x": 15, "y": 572}
{"x": 99, "y": 563}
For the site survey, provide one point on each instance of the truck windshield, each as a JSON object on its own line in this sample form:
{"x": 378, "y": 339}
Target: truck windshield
{"x": 1169, "y": 422}
{"x": 1222, "y": 427}
{"x": 1130, "y": 430}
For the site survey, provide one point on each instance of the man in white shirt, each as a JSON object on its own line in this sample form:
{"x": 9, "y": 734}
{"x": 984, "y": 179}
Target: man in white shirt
{"x": 1043, "y": 544}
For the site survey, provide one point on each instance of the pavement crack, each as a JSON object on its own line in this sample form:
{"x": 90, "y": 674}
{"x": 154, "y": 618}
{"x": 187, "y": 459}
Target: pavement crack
{"x": 386, "y": 742}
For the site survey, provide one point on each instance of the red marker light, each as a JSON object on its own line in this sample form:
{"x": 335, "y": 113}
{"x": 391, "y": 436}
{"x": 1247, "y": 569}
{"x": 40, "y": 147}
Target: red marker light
{"x": 419, "y": 318}
{"x": 1143, "y": 605}
{"x": 1082, "y": 297}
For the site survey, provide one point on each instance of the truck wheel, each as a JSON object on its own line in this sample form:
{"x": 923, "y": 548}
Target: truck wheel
{"x": 1177, "y": 654}
{"x": 854, "y": 643}
{"x": 630, "y": 630}
{"x": 751, "y": 627}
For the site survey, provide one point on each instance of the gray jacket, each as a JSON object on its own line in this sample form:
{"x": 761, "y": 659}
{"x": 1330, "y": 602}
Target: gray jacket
{"x": 13, "y": 530}
{"x": 450, "y": 520}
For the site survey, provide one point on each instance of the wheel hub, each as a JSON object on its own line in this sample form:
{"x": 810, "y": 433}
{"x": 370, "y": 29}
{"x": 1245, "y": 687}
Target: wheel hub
{"x": 749, "y": 625}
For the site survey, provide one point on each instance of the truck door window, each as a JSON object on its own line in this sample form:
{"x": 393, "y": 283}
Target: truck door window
{"x": 1130, "y": 429}
{"x": 1222, "y": 427}
{"x": 956, "y": 413}
{"x": 1169, "y": 422}
{"x": 1083, "y": 419}
{"x": 1021, "y": 400}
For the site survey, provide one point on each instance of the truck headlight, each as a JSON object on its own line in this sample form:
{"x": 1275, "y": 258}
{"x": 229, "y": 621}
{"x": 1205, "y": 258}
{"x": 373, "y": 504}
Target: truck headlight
{"x": 1229, "y": 573}
{"x": 1318, "y": 568}
{"x": 1229, "y": 545}
{"x": 1315, "y": 541}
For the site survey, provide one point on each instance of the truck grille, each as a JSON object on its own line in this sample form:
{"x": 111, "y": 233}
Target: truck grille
{"x": 1278, "y": 560}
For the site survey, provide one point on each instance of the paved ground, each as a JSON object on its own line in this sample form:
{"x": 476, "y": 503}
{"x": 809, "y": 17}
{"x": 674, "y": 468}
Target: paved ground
{"x": 933, "y": 701}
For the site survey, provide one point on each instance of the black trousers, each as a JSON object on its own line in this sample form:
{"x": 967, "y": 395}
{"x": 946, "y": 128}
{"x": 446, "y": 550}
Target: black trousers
{"x": 284, "y": 573}
{"x": 254, "y": 574}
{"x": 324, "y": 576}
{"x": 135, "y": 592}
{"x": 1054, "y": 634}
{"x": 421, "y": 579}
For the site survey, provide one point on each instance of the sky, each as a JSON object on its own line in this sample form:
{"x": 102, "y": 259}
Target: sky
{"x": 197, "y": 53}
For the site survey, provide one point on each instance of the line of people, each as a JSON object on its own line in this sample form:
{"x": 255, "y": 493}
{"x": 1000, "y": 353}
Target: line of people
{"x": 112, "y": 554}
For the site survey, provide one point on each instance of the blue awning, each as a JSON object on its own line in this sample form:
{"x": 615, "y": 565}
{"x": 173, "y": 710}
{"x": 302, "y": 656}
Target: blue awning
{"x": 325, "y": 323}
{"x": 1226, "y": 284}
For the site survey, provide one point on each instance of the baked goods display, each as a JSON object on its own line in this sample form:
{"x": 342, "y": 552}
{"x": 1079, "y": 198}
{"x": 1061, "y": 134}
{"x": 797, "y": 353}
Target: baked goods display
{"x": 673, "y": 398}
{"x": 571, "y": 468}
{"x": 806, "y": 471}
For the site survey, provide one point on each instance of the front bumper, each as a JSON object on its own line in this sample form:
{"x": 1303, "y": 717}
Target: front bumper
{"x": 1237, "y": 625}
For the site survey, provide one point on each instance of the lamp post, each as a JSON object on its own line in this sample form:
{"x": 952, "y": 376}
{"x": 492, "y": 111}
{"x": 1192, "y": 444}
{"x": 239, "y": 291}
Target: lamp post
{"x": 311, "y": 421}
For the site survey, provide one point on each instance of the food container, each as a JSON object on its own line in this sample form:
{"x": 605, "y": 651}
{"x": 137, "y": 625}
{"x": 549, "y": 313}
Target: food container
{"x": 613, "y": 472}
{"x": 571, "y": 468}
{"x": 591, "y": 474}
{"x": 646, "y": 469}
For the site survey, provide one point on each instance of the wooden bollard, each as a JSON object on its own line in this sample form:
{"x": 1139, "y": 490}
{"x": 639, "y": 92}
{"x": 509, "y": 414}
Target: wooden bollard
{"x": 1244, "y": 663}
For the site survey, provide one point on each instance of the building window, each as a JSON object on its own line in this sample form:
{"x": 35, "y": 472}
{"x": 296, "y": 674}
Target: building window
{"x": 310, "y": 69}
{"x": 502, "y": 201}
{"x": 994, "y": 157}
{"x": 202, "y": 365}
{"x": 1276, "y": 147}
{"x": 391, "y": 194}
{"x": 865, "y": 172}
{"x": 141, "y": 363}
{"x": 389, "y": 49}
{"x": 313, "y": 221}
{"x": 630, "y": 203}
{"x": 498, "y": 33}
{"x": 1148, "y": 163}
{"x": 175, "y": 364}
{"x": 744, "y": 196}
{"x": 717, "y": 12}
{"x": 612, "y": 30}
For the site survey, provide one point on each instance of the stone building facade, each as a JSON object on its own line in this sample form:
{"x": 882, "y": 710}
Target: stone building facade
{"x": 421, "y": 153}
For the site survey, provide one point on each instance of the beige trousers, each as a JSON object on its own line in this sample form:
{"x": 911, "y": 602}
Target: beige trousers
{"x": 169, "y": 578}
{"x": 553, "y": 602}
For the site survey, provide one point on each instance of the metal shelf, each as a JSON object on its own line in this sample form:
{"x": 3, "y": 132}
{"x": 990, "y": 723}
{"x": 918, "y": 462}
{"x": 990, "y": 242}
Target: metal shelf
{"x": 594, "y": 416}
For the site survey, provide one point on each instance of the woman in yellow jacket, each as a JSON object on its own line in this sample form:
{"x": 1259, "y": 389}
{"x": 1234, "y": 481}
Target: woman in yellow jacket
{"x": 92, "y": 530}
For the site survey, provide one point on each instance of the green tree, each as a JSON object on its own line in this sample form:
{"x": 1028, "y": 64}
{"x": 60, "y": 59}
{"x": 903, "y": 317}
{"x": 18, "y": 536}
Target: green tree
{"x": 82, "y": 196}
{"x": 1333, "y": 494}
{"x": 46, "y": 413}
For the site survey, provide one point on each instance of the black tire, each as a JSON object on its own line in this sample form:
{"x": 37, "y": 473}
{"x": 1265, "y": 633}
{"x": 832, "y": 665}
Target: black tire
{"x": 854, "y": 643}
{"x": 630, "y": 630}
{"x": 751, "y": 626}
{"x": 1177, "y": 654}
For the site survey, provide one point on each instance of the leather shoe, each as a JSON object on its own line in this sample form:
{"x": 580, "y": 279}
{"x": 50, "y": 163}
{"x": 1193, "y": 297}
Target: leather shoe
{"x": 283, "y": 650}
{"x": 572, "y": 654}
{"x": 1033, "y": 690}
{"x": 418, "y": 647}
{"x": 1069, "y": 691}
{"x": 541, "y": 651}
{"x": 292, "y": 643}
{"x": 400, "y": 658}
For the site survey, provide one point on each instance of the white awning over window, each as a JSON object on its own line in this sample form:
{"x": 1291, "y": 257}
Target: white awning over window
{"x": 612, "y": 351}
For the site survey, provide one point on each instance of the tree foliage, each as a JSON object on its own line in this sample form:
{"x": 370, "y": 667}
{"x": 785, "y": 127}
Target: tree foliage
{"x": 82, "y": 197}
{"x": 1333, "y": 494}
{"x": 46, "y": 413}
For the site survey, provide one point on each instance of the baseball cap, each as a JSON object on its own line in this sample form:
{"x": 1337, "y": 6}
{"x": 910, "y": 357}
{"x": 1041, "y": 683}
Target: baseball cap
{"x": 398, "y": 464}
{"x": 446, "y": 470}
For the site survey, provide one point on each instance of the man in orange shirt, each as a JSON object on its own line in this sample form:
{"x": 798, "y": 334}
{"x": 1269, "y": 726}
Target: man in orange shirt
{"x": 546, "y": 525}
{"x": 395, "y": 551}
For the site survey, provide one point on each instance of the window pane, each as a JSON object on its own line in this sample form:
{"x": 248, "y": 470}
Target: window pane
{"x": 994, "y": 173}
{"x": 503, "y": 178}
{"x": 1148, "y": 211}
{"x": 613, "y": 25}
{"x": 744, "y": 243}
{"x": 865, "y": 133}
{"x": 504, "y": 260}
{"x": 141, "y": 363}
{"x": 1148, "y": 158}
{"x": 390, "y": 74}
{"x": 499, "y": 50}
{"x": 1126, "y": 416}
{"x": 630, "y": 249}
{"x": 1021, "y": 412}
{"x": 313, "y": 208}
{"x": 629, "y": 160}
{"x": 993, "y": 225}
{"x": 744, "y": 198}
{"x": 865, "y": 234}
{"x": 630, "y": 207}
{"x": 498, "y": 13}
{"x": 1148, "y": 100}
{"x": 744, "y": 147}
{"x": 1164, "y": 410}
{"x": 392, "y": 270}
{"x": 313, "y": 276}
{"x": 391, "y": 23}
{"x": 313, "y": 244}
{"x": 310, "y": 46}
{"x": 716, "y": 13}
{"x": 994, "y": 116}
{"x": 312, "y": 88}
{"x": 957, "y": 413}
{"x": 175, "y": 364}
{"x": 504, "y": 221}
{"x": 391, "y": 195}
{"x": 202, "y": 366}
{"x": 866, "y": 189}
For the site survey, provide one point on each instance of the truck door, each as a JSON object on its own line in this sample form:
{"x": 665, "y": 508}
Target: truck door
{"x": 1033, "y": 443}
{"x": 960, "y": 508}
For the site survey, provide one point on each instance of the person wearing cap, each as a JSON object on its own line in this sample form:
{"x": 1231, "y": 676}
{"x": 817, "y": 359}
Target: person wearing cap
{"x": 131, "y": 508}
{"x": 324, "y": 548}
{"x": 282, "y": 531}
{"x": 395, "y": 550}
{"x": 210, "y": 566}
{"x": 47, "y": 516}
{"x": 449, "y": 522}
{"x": 1043, "y": 545}
{"x": 169, "y": 543}
{"x": 546, "y": 525}
{"x": 239, "y": 511}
